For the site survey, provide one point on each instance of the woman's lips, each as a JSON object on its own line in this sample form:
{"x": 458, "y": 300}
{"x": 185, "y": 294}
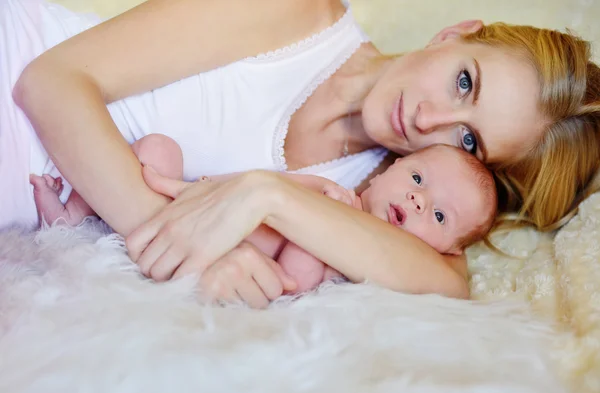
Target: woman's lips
{"x": 397, "y": 115}
{"x": 396, "y": 215}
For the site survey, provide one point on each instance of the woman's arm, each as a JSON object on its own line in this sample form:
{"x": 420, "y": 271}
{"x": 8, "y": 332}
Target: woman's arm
{"x": 359, "y": 245}
{"x": 65, "y": 91}
{"x": 207, "y": 220}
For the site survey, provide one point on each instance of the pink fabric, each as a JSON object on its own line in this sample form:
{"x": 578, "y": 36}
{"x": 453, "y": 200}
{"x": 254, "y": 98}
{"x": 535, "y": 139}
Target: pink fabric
{"x": 27, "y": 28}
{"x": 19, "y": 43}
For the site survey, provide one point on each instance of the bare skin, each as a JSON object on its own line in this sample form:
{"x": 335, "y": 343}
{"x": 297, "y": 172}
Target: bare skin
{"x": 430, "y": 194}
{"x": 64, "y": 93}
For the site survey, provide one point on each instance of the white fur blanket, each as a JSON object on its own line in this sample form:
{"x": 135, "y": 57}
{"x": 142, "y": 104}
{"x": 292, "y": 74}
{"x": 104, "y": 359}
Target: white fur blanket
{"x": 75, "y": 316}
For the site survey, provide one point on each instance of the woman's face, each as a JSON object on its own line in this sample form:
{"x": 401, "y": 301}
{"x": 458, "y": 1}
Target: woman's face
{"x": 477, "y": 97}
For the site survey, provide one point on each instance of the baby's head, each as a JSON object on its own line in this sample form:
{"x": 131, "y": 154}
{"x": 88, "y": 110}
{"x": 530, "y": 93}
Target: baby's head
{"x": 442, "y": 194}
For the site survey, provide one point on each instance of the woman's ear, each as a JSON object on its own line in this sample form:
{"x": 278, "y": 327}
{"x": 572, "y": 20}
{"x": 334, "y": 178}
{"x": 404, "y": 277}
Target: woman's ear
{"x": 457, "y": 31}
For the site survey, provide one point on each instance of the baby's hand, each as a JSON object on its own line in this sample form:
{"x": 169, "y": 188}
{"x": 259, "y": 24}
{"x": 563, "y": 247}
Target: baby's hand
{"x": 339, "y": 193}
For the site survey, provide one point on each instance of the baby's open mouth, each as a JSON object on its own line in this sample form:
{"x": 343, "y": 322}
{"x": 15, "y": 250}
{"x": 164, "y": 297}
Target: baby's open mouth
{"x": 396, "y": 215}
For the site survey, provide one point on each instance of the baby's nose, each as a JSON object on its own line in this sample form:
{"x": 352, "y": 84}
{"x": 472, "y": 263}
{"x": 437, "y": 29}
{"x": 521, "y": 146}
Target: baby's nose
{"x": 418, "y": 201}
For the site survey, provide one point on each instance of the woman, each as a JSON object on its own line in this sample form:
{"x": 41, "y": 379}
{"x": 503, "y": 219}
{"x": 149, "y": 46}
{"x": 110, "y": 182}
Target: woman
{"x": 498, "y": 92}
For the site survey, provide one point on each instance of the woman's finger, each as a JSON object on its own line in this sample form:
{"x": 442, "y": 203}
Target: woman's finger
{"x": 189, "y": 266}
{"x": 245, "y": 265}
{"x": 142, "y": 246}
{"x": 265, "y": 277}
{"x": 166, "y": 265}
{"x": 164, "y": 221}
{"x": 163, "y": 185}
{"x": 150, "y": 254}
{"x": 239, "y": 271}
{"x": 287, "y": 282}
{"x": 231, "y": 297}
{"x": 251, "y": 293}
{"x": 194, "y": 264}
{"x": 221, "y": 294}
{"x": 263, "y": 269}
{"x": 217, "y": 286}
{"x": 208, "y": 218}
{"x": 273, "y": 281}
{"x": 156, "y": 233}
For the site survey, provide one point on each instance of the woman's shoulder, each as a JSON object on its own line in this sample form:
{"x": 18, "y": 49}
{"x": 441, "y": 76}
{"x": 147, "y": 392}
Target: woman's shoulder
{"x": 340, "y": 32}
{"x": 163, "y": 41}
{"x": 316, "y": 22}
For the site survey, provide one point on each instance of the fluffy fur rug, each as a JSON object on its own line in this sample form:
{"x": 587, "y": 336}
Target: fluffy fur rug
{"x": 76, "y": 316}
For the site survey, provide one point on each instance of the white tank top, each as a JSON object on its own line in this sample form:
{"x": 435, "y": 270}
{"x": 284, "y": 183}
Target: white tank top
{"x": 236, "y": 117}
{"x": 231, "y": 119}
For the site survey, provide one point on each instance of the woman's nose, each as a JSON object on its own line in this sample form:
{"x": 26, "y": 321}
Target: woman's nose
{"x": 418, "y": 201}
{"x": 430, "y": 116}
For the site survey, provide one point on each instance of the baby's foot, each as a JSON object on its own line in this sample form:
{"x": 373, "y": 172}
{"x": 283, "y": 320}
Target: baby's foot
{"x": 46, "y": 191}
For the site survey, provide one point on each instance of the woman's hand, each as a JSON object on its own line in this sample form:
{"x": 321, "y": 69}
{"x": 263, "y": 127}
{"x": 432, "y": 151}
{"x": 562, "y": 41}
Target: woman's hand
{"x": 209, "y": 219}
{"x": 204, "y": 222}
{"x": 245, "y": 274}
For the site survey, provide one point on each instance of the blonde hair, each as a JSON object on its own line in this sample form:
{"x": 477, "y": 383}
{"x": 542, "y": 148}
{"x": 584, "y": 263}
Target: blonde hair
{"x": 485, "y": 182}
{"x": 545, "y": 186}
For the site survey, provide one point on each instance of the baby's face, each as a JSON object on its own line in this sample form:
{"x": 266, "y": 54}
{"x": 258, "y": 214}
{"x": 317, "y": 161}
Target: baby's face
{"x": 431, "y": 194}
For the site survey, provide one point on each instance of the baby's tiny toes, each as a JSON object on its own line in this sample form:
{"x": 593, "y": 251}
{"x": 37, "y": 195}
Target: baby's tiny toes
{"x": 36, "y": 181}
{"x": 59, "y": 185}
{"x": 54, "y": 183}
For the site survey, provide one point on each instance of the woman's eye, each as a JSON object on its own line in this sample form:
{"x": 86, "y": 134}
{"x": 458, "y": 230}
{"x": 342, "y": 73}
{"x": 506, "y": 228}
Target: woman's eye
{"x": 440, "y": 217}
{"x": 464, "y": 85}
{"x": 468, "y": 141}
{"x": 417, "y": 178}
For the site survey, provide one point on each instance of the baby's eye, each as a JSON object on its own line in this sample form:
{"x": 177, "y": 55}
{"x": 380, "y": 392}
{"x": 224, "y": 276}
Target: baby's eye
{"x": 417, "y": 178}
{"x": 440, "y": 217}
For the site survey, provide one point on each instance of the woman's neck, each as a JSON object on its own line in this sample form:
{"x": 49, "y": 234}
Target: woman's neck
{"x": 344, "y": 95}
{"x": 329, "y": 124}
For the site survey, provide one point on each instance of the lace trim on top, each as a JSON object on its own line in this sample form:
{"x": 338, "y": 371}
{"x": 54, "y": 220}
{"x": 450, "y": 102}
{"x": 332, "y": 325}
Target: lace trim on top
{"x": 282, "y": 129}
{"x": 297, "y": 47}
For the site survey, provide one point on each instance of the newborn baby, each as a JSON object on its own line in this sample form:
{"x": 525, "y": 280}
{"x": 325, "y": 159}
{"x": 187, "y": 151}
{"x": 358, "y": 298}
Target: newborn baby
{"x": 441, "y": 194}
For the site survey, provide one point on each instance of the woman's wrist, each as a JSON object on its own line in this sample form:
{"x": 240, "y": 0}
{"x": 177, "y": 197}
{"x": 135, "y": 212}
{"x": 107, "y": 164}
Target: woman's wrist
{"x": 284, "y": 200}
{"x": 266, "y": 192}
